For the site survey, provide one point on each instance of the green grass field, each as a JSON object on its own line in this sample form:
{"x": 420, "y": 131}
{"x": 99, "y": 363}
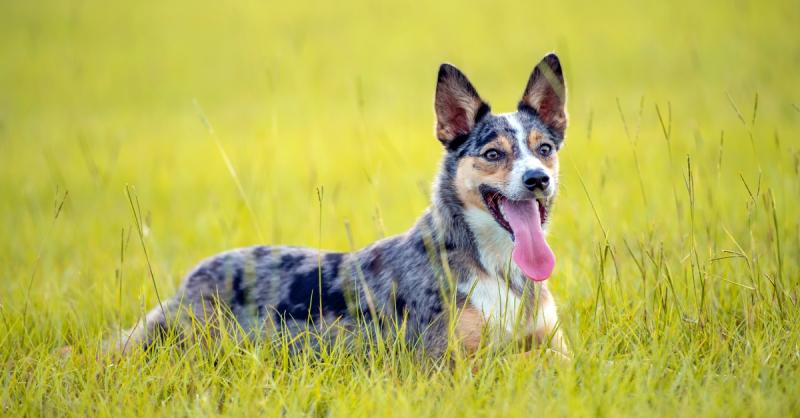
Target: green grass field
{"x": 676, "y": 228}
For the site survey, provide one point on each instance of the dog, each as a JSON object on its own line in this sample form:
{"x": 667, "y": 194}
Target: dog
{"x": 475, "y": 262}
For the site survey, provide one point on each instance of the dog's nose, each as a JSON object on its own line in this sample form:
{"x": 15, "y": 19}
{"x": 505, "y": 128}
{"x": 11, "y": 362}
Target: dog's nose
{"x": 536, "y": 179}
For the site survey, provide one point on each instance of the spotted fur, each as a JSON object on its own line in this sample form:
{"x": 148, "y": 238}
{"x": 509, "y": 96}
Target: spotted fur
{"x": 455, "y": 252}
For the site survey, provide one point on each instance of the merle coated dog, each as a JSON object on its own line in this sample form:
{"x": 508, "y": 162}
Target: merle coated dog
{"x": 475, "y": 262}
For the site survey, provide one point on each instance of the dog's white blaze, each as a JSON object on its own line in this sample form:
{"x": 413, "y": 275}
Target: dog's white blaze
{"x": 525, "y": 161}
{"x": 519, "y": 132}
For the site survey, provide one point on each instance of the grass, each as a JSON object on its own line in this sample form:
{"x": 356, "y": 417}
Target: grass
{"x": 229, "y": 124}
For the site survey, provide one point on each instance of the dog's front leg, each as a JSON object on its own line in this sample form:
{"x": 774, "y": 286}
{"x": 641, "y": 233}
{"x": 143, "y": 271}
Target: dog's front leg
{"x": 547, "y": 328}
{"x": 557, "y": 347}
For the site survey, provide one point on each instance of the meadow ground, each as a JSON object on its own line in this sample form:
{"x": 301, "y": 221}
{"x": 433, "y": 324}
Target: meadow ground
{"x": 676, "y": 228}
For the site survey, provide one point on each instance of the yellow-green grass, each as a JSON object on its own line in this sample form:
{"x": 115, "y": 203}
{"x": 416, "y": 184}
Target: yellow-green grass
{"x": 676, "y": 228}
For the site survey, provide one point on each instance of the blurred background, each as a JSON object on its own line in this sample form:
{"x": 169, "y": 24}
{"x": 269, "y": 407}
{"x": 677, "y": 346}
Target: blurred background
{"x": 227, "y": 118}
{"x": 215, "y": 124}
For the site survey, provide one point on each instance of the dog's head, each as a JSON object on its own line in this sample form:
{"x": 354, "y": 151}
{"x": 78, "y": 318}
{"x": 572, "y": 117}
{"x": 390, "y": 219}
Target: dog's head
{"x": 504, "y": 168}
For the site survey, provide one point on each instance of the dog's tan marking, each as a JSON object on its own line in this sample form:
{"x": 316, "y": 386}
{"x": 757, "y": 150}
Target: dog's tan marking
{"x": 474, "y": 171}
{"x": 535, "y": 137}
{"x": 469, "y": 328}
{"x": 502, "y": 142}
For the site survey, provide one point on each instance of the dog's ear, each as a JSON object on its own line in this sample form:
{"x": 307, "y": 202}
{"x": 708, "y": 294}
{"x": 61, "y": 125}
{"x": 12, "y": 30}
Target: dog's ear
{"x": 458, "y": 106}
{"x": 546, "y": 94}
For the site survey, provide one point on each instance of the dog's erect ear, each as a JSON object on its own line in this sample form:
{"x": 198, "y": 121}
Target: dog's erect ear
{"x": 546, "y": 94}
{"x": 458, "y": 106}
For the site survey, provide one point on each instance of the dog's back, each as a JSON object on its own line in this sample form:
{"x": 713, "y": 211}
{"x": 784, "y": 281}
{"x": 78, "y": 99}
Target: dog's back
{"x": 262, "y": 289}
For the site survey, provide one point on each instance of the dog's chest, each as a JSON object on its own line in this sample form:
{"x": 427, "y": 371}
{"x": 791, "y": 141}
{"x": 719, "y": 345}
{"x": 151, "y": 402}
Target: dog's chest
{"x": 512, "y": 306}
{"x": 509, "y": 314}
{"x": 505, "y": 311}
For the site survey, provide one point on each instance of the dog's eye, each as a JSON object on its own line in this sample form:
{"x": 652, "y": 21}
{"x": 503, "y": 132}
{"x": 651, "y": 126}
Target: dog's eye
{"x": 493, "y": 155}
{"x": 545, "y": 150}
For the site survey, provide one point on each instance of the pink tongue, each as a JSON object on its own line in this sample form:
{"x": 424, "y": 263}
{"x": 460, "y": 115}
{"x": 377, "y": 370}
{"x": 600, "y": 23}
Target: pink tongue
{"x": 531, "y": 252}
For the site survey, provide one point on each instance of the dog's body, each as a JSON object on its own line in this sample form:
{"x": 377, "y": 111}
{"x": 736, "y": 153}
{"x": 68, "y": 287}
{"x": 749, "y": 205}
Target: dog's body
{"x": 453, "y": 265}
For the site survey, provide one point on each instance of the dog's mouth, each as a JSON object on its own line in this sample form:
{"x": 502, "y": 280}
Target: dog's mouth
{"x": 494, "y": 200}
{"x": 524, "y": 220}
